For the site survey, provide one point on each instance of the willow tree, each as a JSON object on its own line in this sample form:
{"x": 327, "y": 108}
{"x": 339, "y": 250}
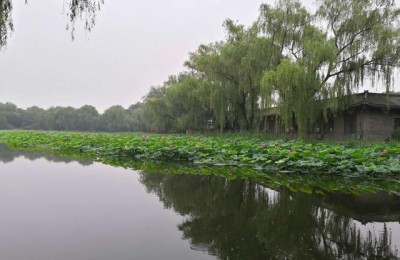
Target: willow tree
{"x": 87, "y": 118}
{"x": 187, "y": 102}
{"x": 328, "y": 54}
{"x": 61, "y": 118}
{"x": 234, "y": 69}
{"x": 75, "y": 10}
{"x": 84, "y": 10}
{"x": 156, "y": 109}
{"x": 114, "y": 119}
{"x": 6, "y": 24}
{"x": 180, "y": 104}
{"x": 221, "y": 87}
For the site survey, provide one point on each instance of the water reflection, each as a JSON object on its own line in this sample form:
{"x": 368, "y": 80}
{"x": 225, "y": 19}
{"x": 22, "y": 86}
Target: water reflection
{"x": 242, "y": 219}
{"x": 8, "y": 155}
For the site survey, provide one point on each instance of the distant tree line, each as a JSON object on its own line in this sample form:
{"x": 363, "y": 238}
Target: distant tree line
{"x": 85, "y": 118}
{"x": 291, "y": 62}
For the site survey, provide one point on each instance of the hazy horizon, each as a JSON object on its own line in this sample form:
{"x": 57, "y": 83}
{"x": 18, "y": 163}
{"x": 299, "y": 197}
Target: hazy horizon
{"x": 134, "y": 45}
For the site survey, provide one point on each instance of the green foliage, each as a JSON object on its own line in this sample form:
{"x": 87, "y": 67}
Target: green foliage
{"x": 234, "y": 69}
{"x": 33, "y": 118}
{"x": 114, "y": 119}
{"x": 3, "y": 123}
{"x": 262, "y": 216}
{"x": 85, "y": 118}
{"x": 137, "y": 118}
{"x": 9, "y": 116}
{"x": 295, "y": 91}
{"x": 267, "y": 156}
{"x": 298, "y": 63}
{"x": 178, "y": 105}
{"x": 360, "y": 39}
{"x": 254, "y": 222}
{"x": 318, "y": 183}
{"x": 295, "y": 62}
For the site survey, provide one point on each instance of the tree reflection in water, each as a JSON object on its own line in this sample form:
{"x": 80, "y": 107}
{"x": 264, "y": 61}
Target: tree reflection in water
{"x": 7, "y": 156}
{"x": 244, "y": 220}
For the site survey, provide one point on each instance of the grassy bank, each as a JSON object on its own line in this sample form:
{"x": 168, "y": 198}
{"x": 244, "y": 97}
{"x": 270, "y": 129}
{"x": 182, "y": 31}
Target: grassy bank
{"x": 236, "y": 151}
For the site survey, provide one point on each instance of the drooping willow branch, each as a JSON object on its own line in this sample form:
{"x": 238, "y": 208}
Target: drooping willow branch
{"x": 84, "y": 10}
{"x": 6, "y": 23}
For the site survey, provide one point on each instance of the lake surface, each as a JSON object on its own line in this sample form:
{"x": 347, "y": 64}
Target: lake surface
{"x": 56, "y": 207}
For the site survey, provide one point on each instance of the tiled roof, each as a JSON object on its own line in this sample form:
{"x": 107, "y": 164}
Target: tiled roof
{"x": 376, "y": 100}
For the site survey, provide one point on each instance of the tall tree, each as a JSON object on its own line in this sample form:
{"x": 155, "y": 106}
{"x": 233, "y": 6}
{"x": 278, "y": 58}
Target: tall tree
{"x": 87, "y": 118}
{"x": 156, "y": 110}
{"x": 11, "y": 115}
{"x": 328, "y": 54}
{"x": 114, "y": 119}
{"x": 61, "y": 119}
{"x": 181, "y": 103}
{"x": 234, "y": 69}
{"x": 137, "y": 119}
{"x": 186, "y": 103}
{"x": 33, "y": 118}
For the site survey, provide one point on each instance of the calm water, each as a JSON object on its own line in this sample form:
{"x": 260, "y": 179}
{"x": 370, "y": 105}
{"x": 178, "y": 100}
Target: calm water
{"x": 58, "y": 208}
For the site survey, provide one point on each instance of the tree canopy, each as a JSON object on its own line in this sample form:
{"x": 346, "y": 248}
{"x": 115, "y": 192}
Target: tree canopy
{"x": 85, "y": 118}
{"x": 328, "y": 53}
{"x": 293, "y": 61}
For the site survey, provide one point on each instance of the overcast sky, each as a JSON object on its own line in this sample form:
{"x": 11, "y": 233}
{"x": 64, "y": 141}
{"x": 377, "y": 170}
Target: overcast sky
{"x": 134, "y": 45}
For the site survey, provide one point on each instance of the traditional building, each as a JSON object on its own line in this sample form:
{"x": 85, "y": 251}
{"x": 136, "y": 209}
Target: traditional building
{"x": 371, "y": 116}
{"x": 368, "y": 116}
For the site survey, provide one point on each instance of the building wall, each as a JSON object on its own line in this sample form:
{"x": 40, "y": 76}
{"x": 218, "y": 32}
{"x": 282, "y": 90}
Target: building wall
{"x": 371, "y": 126}
{"x": 338, "y": 128}
{"x": 362, "y": 126}
{"x": 340, "y": 133}
{"x": 379, "y": 126}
